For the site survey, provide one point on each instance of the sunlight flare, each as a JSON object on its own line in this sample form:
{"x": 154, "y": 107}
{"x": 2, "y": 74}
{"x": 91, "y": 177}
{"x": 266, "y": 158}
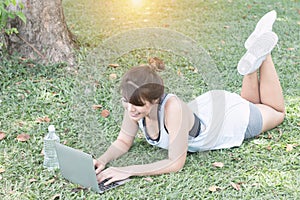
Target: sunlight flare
{"x": 137, "y": 3}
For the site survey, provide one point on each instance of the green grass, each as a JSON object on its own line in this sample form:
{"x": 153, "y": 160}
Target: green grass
{"x": 262, "y": 167}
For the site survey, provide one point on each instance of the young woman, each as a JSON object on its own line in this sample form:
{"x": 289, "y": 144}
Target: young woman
{"x": 217, "y": 119}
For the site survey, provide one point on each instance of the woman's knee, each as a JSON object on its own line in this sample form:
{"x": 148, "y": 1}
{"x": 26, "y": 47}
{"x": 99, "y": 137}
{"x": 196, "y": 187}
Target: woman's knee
{"x": 281, "y": 116}
{"x": 271, "y": 117}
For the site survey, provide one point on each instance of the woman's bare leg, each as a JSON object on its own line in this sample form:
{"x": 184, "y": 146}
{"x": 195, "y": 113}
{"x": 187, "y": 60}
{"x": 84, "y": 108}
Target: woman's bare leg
{"x": 270, "y": 88}
{"x": 250, "y": 88}
{"x": 266, "y": 93}
{"x": 271, "y": 97}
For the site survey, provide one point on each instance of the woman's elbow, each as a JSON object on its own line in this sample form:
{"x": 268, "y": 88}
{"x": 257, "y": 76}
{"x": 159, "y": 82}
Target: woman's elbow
{"x": 178, "y": 164}
{"x": 177, "y": 168}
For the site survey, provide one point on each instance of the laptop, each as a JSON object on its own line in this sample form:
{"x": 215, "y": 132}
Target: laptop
{"x": 77, "y": 167}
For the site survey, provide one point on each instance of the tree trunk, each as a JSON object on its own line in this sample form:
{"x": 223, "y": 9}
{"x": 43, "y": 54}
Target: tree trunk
{"x": 45, "y": 36}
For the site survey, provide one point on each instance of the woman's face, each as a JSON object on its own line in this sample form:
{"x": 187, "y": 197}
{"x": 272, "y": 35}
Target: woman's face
{"x": 137, "y": 112}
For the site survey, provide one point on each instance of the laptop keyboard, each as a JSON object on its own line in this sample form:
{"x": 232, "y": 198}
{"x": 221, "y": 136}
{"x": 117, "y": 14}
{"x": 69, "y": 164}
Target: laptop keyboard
{"x": 103, "y": 187}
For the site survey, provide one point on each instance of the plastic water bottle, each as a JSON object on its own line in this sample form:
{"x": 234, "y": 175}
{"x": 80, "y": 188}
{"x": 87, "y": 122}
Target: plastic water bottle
{"x": 50, "y": 157}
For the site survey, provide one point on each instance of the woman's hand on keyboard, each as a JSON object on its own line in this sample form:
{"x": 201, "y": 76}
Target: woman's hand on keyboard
{"x": 113, "y": 174}
{"x": 99, "y": 166}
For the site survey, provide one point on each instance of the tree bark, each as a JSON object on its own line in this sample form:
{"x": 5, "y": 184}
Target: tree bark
{"x": 45, "y": 36}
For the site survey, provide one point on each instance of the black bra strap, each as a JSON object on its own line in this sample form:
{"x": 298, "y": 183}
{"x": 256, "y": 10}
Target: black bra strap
{"x": 195, "y": 131}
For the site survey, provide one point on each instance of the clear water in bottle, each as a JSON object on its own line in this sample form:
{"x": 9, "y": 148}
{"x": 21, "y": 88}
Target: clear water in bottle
{"x": 50, "y": 157}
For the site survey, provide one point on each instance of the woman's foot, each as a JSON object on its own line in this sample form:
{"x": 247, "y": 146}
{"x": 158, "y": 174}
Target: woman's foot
{"x": 265, "y": 24}
{"x": 257, "y": 53}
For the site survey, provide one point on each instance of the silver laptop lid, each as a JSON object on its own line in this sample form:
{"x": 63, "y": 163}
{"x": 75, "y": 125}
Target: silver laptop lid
{"x": 77, "y": 166}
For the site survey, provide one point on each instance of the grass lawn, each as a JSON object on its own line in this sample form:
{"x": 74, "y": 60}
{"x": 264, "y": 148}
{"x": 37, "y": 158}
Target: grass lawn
{"x": 33, "y": 96}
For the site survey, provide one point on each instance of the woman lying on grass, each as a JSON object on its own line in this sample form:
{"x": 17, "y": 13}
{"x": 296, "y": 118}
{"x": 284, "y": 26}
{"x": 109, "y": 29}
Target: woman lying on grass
{"x": 214, "y": 120}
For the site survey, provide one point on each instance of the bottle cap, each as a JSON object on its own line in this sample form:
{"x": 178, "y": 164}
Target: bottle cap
{"x": 51, "y": 128}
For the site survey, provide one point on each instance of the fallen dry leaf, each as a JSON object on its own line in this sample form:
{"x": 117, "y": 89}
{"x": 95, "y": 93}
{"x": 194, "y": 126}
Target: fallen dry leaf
{"x": 78, "y": 189}
{"x": 50, "y": 181}
{"x": 2, "y": 135}
{"x": 218, "y": 164}
{"x": 112, "y": 76}
{"x": 148, "y": 179}
{"x": 105, "y": 113}
{"x": 193, "y": 69}
{"x": 42, "y": 152}
{"x": 156, "y": 63}
{"x": 236, "y": 186}
{"x": 56, "y": 196}
{"x": 43, "y": 119}
{"x": 21, "y": 124}
{"x": 179, "y": 73}
{"x": 2, "y": 170}
{"x": 96, "y": 107}
{"x": 22, "y": 96}
{"x": 114, "y": 65}
{"x": 290, "y": 147}
{"x": 32, "y": 180}
{"x": 11, "y": 192}
{"x": 96, "y": 83}
{"x": 270, "y": 136}
{"x": 23, "y": 137}
{"x": 214, "y": 188}
{"x": 255, "y": 184}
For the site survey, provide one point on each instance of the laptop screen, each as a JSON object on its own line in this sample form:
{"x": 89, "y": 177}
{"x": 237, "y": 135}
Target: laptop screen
{"x": 77, "y": 166}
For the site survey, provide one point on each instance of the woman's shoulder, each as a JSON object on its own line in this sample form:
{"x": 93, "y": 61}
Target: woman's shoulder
{"x": 175, "y": 110}
{"x": 171, "y": 100}
{"x": 174, "y": 105}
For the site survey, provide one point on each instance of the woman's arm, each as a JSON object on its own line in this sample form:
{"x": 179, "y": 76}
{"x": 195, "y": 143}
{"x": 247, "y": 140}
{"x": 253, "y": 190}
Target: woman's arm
{"x": 121, "y": 145}
{"x": 178, "y": 121}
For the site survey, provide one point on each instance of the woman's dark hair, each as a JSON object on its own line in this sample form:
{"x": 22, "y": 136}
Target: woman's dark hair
{"x": 142, "y": 83}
